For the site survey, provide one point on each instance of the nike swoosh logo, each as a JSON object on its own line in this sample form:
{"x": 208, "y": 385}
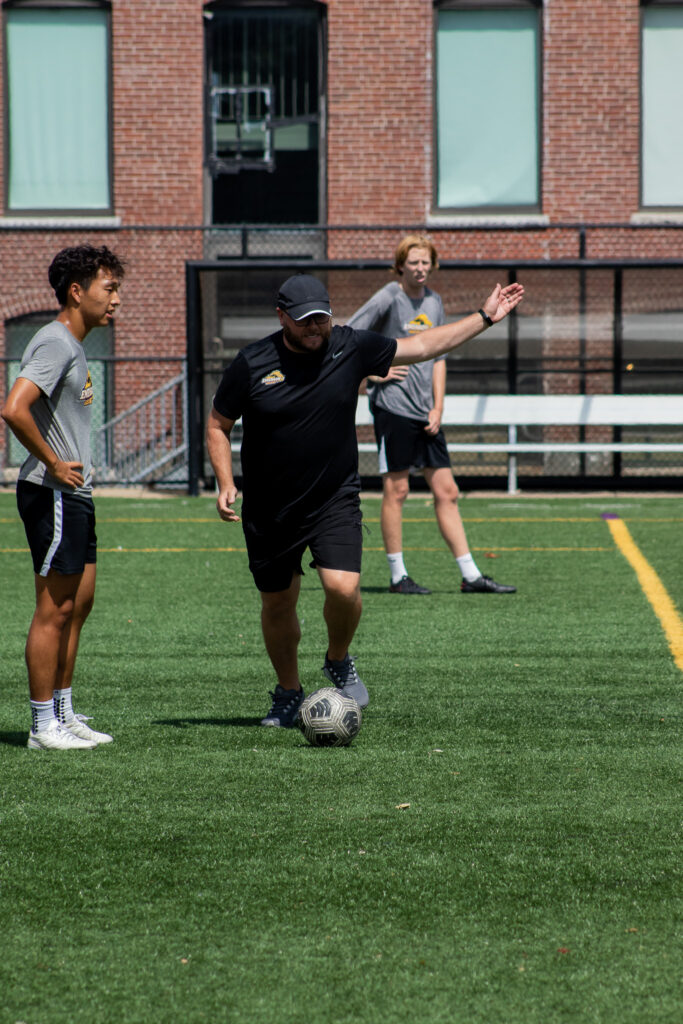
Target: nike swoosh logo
{"x": 335, "y": 354}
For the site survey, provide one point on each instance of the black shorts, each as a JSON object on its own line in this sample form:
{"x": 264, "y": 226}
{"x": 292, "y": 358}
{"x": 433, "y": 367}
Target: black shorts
{"x": 404, "y": 444}
{"x": 60, "y": 528}
{"x": 334, "y": 538}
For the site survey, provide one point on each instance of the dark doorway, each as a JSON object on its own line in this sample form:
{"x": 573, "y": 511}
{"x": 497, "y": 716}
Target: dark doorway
{"x": 264, "y": 114}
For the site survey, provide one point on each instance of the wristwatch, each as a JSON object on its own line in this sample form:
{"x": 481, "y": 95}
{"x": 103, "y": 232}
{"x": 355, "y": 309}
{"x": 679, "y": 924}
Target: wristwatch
{"x": 486, "y": 318}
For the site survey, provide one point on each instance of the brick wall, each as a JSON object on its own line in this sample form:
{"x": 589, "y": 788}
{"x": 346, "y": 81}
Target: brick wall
{"x": 380, "y": 97}
{"x": 591, "y": 83}
{"x": 158, "y": 58}
{"x": 380, "y": 146}
{"x": 380, "y": 74}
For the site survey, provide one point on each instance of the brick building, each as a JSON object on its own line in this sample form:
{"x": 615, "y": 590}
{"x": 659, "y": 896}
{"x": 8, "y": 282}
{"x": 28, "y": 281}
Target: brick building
{"x": 514, "y": 130}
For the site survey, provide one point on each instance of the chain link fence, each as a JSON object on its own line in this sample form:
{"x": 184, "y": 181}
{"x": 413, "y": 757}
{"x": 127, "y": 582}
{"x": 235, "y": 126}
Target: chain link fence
{"x": 591, "y": 323}
{"x": 582, "y": 329}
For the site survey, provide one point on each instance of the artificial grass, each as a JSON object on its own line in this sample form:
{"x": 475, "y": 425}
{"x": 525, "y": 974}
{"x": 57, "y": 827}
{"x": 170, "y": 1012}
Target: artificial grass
{"x": 202, "y": 868}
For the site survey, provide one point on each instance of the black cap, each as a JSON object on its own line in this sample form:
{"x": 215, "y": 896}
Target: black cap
{"x": 302, "y": 295}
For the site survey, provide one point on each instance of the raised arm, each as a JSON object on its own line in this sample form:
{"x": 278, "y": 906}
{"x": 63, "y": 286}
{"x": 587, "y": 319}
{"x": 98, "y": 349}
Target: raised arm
{"x": 419, "y": 347}
{"x": 218, "y": 431}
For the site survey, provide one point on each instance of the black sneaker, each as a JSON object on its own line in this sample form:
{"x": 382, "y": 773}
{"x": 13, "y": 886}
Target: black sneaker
{"x": 344, "y": 676}
{"x": 407, "y": 586}
{"x": 485, "y": 585}
{"x": 284, "y": 710}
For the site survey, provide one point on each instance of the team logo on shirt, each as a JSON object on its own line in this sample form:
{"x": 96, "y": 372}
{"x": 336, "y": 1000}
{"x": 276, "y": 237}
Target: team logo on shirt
{"x": 419, "y": 323}
{"x": 87, "y": 391}
{"x": 274, "y": 377}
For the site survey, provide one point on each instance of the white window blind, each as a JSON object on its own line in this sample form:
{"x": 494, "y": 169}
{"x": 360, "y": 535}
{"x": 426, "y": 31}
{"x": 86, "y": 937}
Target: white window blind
{"x": 58, "y": 107}
{"x": 662, "y": 99}
{"x": 487, "y": 108}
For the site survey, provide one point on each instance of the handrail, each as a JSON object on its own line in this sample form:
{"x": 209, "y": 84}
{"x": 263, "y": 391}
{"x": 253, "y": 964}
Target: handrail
{"x": 147, "y": 441}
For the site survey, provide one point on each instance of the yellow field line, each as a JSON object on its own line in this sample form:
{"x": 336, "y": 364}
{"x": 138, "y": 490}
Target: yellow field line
{"x": 160, "y": 519}
{"x": 173, "y": 551}
{"x": 529, "y": 519}
{"x": 375, "y": 519}
{"x": 495, "y": 549}
{"x": 652, "y": 586}
{"x": 131, "y": 551}
{"x": 185, "y": 550}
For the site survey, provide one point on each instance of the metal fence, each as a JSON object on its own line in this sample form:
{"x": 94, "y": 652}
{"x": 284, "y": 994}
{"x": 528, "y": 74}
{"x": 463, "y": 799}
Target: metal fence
{"x": 588, "y": 325}
{"x": 533, "y": 238}
{"x": 148, "y": 442}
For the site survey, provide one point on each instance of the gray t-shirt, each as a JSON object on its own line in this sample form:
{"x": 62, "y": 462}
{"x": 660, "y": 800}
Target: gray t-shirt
{"x": 392, "y": 313}
{"x": 56, "y": 363}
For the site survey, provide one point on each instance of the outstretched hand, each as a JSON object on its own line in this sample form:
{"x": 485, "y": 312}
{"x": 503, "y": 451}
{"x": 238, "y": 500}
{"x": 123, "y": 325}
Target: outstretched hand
{"x": 502, "y": 301}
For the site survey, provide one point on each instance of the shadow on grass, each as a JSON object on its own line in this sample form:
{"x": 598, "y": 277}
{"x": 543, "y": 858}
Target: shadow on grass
{"x": 186, "y": 723}
{"x": 14, "y": 739}
{"x": 385, "y": 590}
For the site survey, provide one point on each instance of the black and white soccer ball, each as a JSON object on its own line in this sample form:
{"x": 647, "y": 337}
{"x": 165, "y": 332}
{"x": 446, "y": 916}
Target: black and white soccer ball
{"x": 329, "y": 718}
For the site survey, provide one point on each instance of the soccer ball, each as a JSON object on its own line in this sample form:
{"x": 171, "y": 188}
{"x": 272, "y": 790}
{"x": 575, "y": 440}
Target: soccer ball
{"x": 329, "y": 718}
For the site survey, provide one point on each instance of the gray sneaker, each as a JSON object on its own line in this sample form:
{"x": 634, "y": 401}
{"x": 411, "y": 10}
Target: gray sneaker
{"x": 344, "y": 676}
{"x": 284, "y": 710}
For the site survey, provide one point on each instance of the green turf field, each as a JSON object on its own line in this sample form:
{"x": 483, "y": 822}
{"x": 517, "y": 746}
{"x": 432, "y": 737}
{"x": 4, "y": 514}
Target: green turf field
{"x": 500, "y": 845}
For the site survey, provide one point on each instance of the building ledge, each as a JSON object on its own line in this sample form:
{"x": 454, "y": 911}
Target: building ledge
{"x": 658, "y": 217}
{"x": 487, "y": 220}
{"x": 59, "y": 223}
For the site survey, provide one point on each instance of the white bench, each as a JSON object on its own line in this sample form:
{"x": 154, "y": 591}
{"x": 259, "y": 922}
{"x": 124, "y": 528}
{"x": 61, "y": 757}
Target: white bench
{"x": 513, "y": 411}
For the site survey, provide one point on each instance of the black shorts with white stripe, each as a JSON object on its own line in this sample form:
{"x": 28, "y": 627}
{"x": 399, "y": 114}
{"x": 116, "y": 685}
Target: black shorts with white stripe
{"x": 60, "y": 528}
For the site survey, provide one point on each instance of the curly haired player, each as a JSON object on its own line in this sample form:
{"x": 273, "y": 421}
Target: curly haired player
{"x": 48, "y": 410}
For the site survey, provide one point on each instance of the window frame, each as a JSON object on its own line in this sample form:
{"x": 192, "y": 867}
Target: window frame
{"x": 654, "y": 208}
{"x": 61, "y": 211}
{"x": 210, "y": 163}
{"x": 520, "y": 209}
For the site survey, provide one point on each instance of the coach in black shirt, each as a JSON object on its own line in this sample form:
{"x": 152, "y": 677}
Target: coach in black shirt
{"x": 296, "y": 392}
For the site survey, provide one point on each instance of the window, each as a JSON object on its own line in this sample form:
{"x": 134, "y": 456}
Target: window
{"x": 57, "y": 112}
{"x": 487, "y": 64}
{"x": 662, "y": 88}
{"x": 265, "y": 98}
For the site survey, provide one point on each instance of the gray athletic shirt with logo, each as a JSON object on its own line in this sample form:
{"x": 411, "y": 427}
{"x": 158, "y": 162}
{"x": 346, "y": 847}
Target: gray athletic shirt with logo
{"x": 56, "y": 363}
{"x": 390, "y": 312}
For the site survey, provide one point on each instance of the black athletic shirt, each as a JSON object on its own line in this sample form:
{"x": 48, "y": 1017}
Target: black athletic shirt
{"x": 299, "y": 448}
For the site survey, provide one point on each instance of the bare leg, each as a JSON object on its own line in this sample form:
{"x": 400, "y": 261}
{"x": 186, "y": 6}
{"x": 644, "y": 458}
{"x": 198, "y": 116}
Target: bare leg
{"x": 395, "y": 489}
{"x": 342, "y": 610}
{"x": 55, "y": 600}
{"x": 83, "y": 602}
{"x": 282, "y": 633}
{"x": 445, "y": 491}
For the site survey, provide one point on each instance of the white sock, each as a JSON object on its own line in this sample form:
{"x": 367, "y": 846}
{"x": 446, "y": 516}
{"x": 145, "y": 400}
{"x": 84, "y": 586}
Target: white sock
{"x": 64, "y": 712}
{"x": 398, "y": 569}
{"x": 468, "y": 567}
{"x": 42, "y": 714}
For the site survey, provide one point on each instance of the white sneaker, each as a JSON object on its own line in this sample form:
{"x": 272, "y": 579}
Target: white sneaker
{"x": 56, "y": 737}
{"x": 84, "y": 732}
